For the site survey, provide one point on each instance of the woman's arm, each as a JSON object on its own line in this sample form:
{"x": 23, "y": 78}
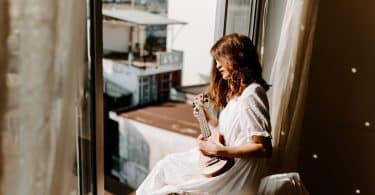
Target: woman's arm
{"x": 261, "y": 147}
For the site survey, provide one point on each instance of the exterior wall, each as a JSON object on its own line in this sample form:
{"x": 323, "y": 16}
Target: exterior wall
{"x": 146, "y": 85}
{"x": 142, "y": 145}
{"x": 115, "y": 37}
{"x": 123, "y": 76}
{"x": 161, "y": 142}
{"x": 154, "y": 88}
{"x": 134, "y": 154}
{"x": 194, "y": 39}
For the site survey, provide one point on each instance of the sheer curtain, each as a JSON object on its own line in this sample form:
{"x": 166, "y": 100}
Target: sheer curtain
{"x": 45, "y": 57}
{"x": 4, "y": 26}
{"x": 289, "y": 70}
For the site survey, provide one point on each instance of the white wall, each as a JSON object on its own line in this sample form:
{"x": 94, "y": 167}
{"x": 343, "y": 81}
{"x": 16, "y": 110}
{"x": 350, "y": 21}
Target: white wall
{"x": 195, "y": 38}
{"x": 127, "y": 79}
{"x": 161, "y": 142}
{"x": 115, "y": 37}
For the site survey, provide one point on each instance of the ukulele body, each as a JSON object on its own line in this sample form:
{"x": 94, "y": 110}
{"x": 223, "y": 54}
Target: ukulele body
{"x": 213, "y": 166}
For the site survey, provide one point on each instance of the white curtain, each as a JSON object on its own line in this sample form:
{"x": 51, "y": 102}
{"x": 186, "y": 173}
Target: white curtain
{"x": 289, "y": 77}
{"x": 45, "y": 59}
{"x": 4, "y": 26}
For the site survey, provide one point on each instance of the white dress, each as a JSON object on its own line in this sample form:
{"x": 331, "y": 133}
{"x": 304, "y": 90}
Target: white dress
{"x": 242, "y": 117}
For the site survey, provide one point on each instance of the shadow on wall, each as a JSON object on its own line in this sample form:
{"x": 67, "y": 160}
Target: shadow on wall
{"x": 132, "y": 165}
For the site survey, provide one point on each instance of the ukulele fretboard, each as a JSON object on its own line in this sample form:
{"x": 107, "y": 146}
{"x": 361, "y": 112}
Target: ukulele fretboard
{"x": 203, "y": 123}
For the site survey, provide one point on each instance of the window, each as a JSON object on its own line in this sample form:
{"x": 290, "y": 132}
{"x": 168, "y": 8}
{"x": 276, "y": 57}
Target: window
{"x": 175, "y": 66}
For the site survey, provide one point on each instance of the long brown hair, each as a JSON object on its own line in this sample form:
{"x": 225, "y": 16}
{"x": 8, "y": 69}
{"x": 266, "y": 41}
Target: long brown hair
{"x": 239, "y": 52}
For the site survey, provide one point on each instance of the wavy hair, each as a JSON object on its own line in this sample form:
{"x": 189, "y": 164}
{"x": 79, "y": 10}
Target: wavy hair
{"x": 240, "y": 54}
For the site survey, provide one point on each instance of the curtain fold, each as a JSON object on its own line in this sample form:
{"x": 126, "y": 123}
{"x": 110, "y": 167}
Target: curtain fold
{"x": 300, "y": 83}
{"x": 45, "y": 57}
{"x": 289, "y": 78}
{"x": 4, "y": 25}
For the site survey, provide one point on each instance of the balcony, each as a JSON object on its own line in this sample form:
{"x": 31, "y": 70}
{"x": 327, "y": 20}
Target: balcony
{"x": 159, "y": 58}
{"x": 139, "y": 37}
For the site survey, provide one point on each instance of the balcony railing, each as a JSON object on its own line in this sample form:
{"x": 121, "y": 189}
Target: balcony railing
{"x": 174, "y": 57}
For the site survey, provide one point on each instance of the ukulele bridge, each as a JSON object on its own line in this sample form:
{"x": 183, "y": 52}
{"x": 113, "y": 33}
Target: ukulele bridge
{"x": 212, "y": 161}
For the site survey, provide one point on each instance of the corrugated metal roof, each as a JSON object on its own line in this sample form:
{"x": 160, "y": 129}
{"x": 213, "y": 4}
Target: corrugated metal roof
{"x": 139, "y": 17}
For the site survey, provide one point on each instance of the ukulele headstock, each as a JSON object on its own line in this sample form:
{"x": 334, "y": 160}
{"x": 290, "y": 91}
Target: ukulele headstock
{"x": 200, "y": 99}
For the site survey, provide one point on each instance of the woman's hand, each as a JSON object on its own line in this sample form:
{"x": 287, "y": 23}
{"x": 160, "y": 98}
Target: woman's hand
{"x": 208, "y": 147}
{"x": 199, "y": 101}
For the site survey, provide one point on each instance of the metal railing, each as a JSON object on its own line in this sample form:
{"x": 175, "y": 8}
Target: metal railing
{"x": 174, "y": 57}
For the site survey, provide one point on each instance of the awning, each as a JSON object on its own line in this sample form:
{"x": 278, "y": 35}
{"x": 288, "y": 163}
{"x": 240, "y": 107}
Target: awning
{"x": 139, "y": 17}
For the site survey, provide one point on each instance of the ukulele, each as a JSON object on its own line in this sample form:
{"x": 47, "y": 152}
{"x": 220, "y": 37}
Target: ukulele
{"x": 211, "y": 166}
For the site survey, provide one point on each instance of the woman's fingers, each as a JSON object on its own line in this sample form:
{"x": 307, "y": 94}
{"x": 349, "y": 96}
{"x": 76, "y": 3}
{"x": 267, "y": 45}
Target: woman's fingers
{"x": 196, "y": 106}
{"x": 200, "y": 98}
{"x": 208, "y": 147}
{"x": 200, "y": 144}
{"x": 198, "y": 102}
{"x": 200, "y": 139}
{"x": 195, "y": 112}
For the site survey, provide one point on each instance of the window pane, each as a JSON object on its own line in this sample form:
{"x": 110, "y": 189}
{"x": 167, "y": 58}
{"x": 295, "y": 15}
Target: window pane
{"x": 238, "y": 16}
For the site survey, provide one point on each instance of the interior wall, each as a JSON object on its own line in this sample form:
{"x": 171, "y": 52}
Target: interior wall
{"x": 336, "y": 155}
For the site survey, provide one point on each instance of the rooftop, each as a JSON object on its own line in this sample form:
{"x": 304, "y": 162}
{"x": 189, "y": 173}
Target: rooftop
{"x": 119, "y": 67}
{"x": 171, "y": 116}
{"x": 193, "y": 89}
{"x": 139, "y": 17}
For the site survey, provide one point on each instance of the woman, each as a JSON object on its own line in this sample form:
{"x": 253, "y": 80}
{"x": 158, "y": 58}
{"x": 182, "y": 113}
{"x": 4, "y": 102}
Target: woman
{"x": 237, "y": 88}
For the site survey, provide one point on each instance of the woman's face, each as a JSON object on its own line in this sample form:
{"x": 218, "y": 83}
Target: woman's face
{"x": 224, "y": 69}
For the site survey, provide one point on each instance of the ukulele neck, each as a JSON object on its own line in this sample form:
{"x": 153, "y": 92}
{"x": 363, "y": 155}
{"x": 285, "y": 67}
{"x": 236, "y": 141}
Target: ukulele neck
{"x": 205, "y": 130}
